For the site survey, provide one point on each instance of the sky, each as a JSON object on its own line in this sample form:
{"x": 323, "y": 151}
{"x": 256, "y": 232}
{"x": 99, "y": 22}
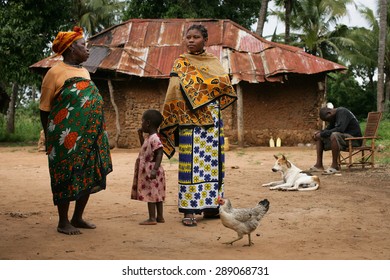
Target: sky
{"x": 354, "y": 18}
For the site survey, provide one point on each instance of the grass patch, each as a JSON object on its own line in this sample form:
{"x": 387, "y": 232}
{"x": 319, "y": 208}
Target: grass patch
{"x": 383, "y": 157}
{"x": 27, "y": 126}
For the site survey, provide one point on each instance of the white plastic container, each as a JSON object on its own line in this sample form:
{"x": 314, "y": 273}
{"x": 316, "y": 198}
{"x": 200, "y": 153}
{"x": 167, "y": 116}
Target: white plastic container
{"x": 272, "y": 142}
{"x": 227, "y": 145}
{"x": 278, "y": 142}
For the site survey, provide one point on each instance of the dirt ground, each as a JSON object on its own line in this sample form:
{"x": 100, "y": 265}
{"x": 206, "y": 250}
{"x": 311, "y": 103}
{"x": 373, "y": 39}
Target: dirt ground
{"x": 347, "y": 218}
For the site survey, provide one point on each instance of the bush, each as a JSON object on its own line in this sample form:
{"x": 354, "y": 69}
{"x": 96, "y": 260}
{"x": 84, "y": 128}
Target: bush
{"x": 27, "y": 125}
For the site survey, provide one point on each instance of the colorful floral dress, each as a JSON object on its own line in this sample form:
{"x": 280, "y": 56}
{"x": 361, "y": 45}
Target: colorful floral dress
{"x": 144, "y": 188}
{"x": 77, "y": 143}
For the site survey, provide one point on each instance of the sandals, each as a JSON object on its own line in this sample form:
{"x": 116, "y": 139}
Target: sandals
{"x": 315, "y": 169}
{"x": 189, "y": 222}
{"x": 330, "y": 171}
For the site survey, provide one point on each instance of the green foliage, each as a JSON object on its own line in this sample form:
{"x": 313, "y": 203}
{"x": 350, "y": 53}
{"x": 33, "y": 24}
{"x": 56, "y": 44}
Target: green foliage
{"x": 384, "y": 133}
{"x": 26, "y": 27}
{"x": 243, "y": 12}
{"x": 343, "y": 90}
{"x": 312, "y": 22}
{"x": 96, "y": 15}
{"x": 27, "y": 125}
{"x": 315, "y": 29}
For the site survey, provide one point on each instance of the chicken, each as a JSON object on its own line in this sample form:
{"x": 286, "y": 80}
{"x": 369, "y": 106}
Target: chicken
{"x": 243, "y": 220}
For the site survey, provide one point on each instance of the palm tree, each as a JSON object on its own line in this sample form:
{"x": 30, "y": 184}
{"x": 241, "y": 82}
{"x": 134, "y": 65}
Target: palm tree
{"x": 360, "y": 54}
{"x": 366, "y": 52}
{"x": 289, "y": 10}
{"x": 314, "y": 21}
{"x": 95, "y": 15}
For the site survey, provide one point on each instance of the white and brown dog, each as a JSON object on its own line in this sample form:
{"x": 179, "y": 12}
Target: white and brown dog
{"x": 294, "y": 179}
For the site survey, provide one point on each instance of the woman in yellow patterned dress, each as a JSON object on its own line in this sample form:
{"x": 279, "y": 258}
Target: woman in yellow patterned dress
{"x": 198, "y": 90}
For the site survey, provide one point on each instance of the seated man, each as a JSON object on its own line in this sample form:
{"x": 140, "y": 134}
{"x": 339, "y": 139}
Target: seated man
{"x": 342, "y": 124}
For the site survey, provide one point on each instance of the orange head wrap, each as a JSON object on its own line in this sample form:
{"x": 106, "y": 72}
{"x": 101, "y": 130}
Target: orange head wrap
{"x": 65, "y": 39}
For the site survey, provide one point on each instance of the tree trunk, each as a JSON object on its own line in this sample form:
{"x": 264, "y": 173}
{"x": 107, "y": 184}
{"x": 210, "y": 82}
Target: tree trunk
{"x": 117, "y": 123}
{"x": 381, "y": 55}
{"x": 240, "y": 117}
{"x": 287, "y": 20}
{"x": 11, "y": 109}
{"x": 262, "y": 17}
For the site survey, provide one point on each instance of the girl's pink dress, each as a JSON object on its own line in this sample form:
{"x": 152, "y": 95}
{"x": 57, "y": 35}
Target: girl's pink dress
{"x": 145, "y": 189}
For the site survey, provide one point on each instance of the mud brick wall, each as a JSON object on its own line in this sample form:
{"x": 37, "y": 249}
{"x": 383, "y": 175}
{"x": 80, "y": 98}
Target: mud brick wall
{"x": 132, "y": 98}
{"x": 288, "y": 110}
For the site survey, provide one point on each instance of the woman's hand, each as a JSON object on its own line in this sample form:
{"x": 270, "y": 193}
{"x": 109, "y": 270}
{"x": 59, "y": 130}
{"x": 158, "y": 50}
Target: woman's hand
{"x": 140, "y": 136}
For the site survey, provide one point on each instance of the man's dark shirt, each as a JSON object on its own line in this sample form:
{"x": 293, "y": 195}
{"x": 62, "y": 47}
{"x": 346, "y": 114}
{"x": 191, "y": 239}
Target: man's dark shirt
{"x": 344, "y": 122}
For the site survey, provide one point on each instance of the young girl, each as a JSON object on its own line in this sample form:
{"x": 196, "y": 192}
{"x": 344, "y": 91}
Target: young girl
{"x": 149, "y": 176}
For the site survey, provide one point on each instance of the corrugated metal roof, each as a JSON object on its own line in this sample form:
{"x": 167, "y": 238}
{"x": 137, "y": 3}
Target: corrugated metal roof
{"x": 148, "y": 48}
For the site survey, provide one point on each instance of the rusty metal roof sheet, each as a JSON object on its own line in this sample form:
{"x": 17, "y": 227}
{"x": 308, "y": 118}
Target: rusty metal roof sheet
{"x": 148, "y": 48}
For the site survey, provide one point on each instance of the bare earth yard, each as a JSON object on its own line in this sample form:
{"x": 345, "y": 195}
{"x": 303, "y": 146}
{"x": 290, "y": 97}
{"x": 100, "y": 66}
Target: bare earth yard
{"x": 347, "y": 218}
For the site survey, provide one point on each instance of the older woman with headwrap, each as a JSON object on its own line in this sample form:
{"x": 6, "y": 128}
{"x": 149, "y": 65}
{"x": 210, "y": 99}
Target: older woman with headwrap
{"x": 198, "y": 90}
{"x": 76, "y": 141}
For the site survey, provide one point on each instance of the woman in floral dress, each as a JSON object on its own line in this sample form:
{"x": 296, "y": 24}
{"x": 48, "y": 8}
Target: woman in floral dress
{"x": 77, "y": 145}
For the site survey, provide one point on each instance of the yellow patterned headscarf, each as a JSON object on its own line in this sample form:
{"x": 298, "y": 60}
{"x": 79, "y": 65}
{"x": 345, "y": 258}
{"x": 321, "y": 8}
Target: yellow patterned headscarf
{"x": 65, "y": 39}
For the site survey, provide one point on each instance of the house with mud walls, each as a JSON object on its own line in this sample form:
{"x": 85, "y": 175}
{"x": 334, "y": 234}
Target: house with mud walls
{"x": 280, "y": 88}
